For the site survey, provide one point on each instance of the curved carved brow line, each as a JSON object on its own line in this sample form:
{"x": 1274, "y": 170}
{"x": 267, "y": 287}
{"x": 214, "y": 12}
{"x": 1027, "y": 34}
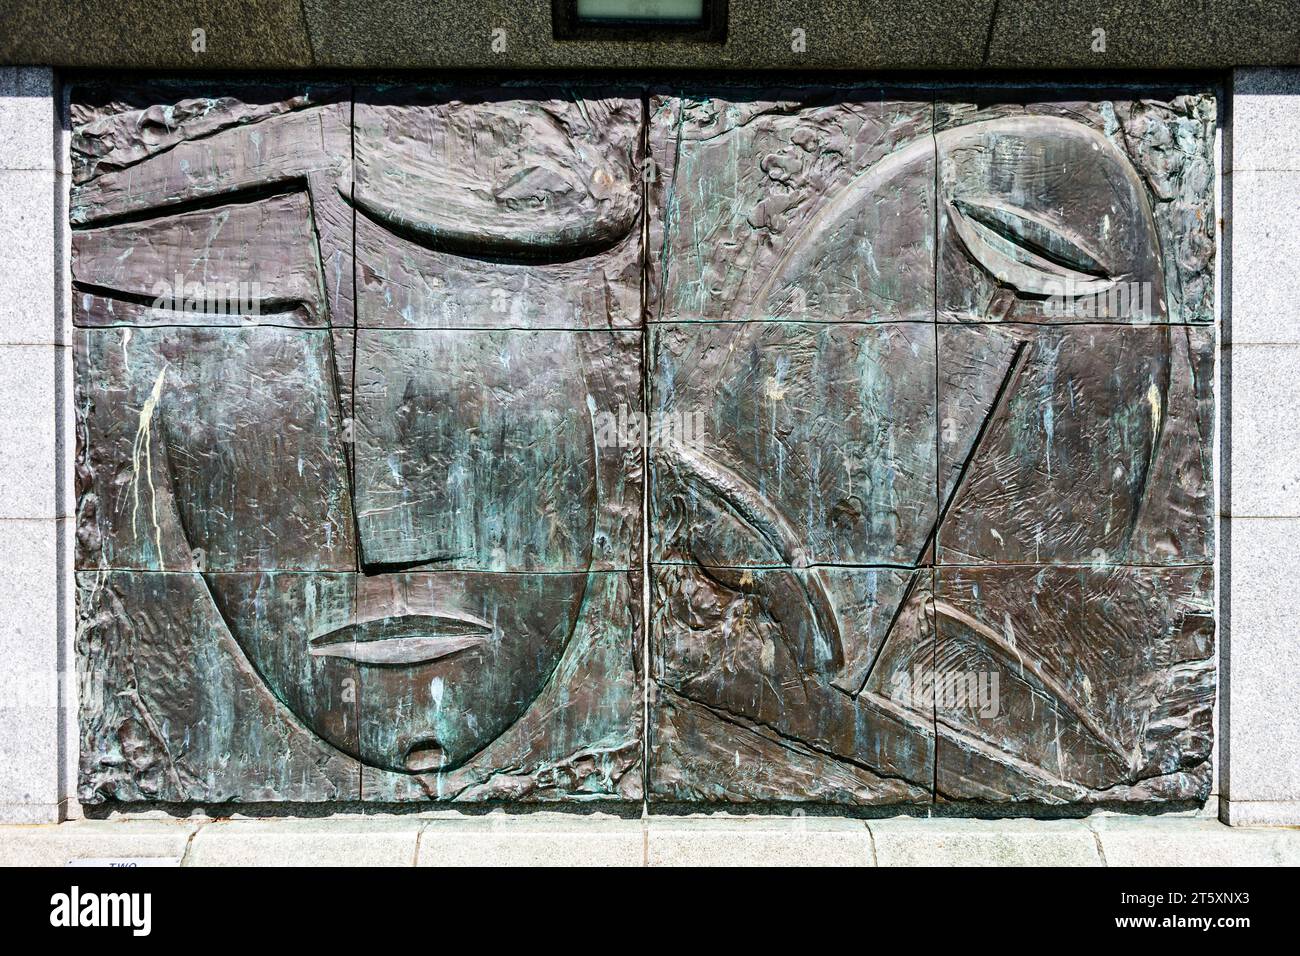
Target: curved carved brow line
{"x": 480, "y": 248}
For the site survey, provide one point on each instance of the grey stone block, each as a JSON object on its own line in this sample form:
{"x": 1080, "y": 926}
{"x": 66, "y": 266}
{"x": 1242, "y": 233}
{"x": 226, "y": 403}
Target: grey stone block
{"x": 29, "y": 681}
{"x": 339, "y": 841}
{"x": 27, "y": 813}
{"x": 1153, "y": 33}
{"x": 27, "y": 118}
{"x": 28, "y": 483}
{"x": 30, "y": 628}
{"x": 29, "y": 765}
{"x": 95, "y": 840}
{"x": 1265, "y": 120}
{"x": 63, "y": 147}
{"x": 542, "y": 839}
{"x": 65, "y": 440}
{"x": 266, "y": 34}
{"x": 448, "y": 838}
{"x": 1265, "y": 255}
{"x": 905, "y": 34}
{"x": 1261, "y": 813}
{"x": 29, "y": 244}
{"x": 904, "y": 841}
{"x": 28, "y": 81}
{"x": 1261, "y": 725}
{"x": 410, "y": 33}
{"x": 758, "y": 841}
{"x": 28, "y": 606}
{"x": 1264, "y": 459}
{"x": 1146, "y": 841}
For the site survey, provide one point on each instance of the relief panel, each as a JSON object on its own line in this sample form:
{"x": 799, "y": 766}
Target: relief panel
{"x": 946, "y": 531}
{"x": 372, "y": 381}
{"x": 341, "y": 468}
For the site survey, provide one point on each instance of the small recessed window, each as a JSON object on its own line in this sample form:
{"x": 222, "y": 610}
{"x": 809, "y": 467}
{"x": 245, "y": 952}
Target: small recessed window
{"x": 702, "y": 20}
{"x": 657, "y": 10}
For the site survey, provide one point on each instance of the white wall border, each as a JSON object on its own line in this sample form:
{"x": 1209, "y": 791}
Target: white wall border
{"x": 35, "y": 467}
{"x": 1260, "y": 450}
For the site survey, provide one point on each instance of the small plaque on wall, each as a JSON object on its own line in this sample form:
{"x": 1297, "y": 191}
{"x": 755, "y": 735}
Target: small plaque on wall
{"x": 126, "y": 862}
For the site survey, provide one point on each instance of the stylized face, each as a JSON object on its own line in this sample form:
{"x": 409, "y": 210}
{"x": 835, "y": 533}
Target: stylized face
{"x": 929, "y": 436}
{"x": 471, "y": 496}
{"x": 427, "y": 654}
{"x": 825, "y": 448}
{"x": 389, "y": 475}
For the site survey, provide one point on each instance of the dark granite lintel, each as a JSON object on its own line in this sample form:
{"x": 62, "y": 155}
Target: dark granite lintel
{"x": 837, "y": 34}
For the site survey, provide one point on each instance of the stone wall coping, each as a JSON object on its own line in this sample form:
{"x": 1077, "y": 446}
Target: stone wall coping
{"x": 497, "y": 838}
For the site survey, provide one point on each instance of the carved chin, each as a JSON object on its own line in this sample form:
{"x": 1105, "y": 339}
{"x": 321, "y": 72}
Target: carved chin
{"x": 410, "y": 672}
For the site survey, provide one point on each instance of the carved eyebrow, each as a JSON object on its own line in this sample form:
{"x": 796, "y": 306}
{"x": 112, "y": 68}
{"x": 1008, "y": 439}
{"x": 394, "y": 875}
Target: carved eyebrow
{"x": 535, "y": 241}
{"x": 249, "y": 252}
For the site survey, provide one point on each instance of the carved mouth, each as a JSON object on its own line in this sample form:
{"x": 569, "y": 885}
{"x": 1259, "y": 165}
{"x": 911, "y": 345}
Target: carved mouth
{"x": 403, "y": 639}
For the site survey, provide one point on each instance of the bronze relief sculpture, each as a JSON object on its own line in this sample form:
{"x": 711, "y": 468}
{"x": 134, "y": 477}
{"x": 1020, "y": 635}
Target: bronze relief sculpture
{"x": 352, "y": 524}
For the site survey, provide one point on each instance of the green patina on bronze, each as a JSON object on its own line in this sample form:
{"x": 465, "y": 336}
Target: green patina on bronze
{"x": 361, "y": 513}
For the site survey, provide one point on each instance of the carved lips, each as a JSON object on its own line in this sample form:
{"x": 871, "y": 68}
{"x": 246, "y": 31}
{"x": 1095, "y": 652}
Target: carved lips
{"x": 403, "y": 639}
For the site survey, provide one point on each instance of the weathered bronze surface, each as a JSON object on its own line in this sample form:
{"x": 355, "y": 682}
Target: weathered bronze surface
{"x": 355, "y": 537}
{"x": 947, "y": 532}
{"x": 360, "y": 381}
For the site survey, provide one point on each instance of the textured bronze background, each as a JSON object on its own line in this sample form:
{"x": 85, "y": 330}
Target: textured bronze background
{"x": 914, "y": 463}
{"x": 368, "y": 536}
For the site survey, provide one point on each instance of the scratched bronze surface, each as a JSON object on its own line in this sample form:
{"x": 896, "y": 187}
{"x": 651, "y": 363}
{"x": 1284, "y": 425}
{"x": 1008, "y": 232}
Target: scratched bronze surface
{"x": 386, "y": 394}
